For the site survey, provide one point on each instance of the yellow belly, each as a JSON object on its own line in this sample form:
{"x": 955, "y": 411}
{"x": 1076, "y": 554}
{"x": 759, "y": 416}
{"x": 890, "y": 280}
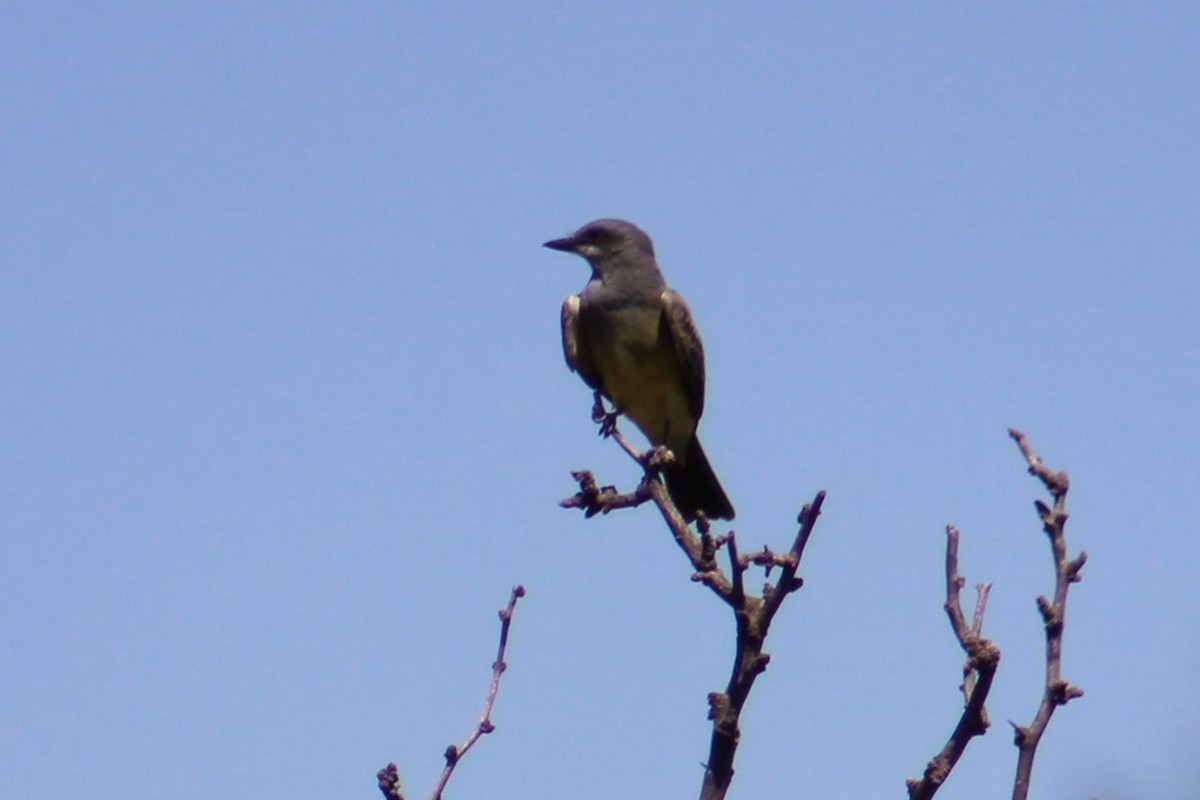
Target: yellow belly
{"x": 640, "y": 373}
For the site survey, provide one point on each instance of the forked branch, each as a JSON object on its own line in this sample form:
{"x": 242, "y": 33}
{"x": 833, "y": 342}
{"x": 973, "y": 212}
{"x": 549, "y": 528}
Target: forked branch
{"x": 752, "y": 614}
{"x": 978, "y": 672}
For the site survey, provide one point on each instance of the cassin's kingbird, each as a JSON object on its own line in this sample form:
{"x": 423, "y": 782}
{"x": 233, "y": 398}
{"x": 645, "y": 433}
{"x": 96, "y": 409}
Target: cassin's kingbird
{"x": 631, "y": 338}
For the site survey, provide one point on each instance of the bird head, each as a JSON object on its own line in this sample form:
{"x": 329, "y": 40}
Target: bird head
{"x": 605, "y": 239}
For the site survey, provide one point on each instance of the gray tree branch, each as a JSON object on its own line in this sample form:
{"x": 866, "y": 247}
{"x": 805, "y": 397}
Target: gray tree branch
{"x": 978, "y": 672}
{"x": 752, "y": 614}
{"x": 389, "y": 776}
{"x": 1057, "y": 692}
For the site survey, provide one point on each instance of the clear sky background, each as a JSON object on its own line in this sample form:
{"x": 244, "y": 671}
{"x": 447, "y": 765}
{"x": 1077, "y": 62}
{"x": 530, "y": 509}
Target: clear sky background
{"x": 284, "y": 412}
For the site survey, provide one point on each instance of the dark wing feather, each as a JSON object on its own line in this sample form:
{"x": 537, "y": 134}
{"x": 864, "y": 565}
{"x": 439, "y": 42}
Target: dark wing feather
{"x": 575, "y": 349}
{"x": 678, "y": 319}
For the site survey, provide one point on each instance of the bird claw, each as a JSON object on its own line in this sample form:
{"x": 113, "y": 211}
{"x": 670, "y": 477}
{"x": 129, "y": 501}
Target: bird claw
{"x": 607, "y": 420}
{"x": 608, "y": 424}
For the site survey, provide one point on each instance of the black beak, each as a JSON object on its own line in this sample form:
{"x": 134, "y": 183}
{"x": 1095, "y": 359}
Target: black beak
{"x": 566, "y": 245}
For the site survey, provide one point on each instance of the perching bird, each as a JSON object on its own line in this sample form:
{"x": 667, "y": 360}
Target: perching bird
{"x": 632, "y": 339}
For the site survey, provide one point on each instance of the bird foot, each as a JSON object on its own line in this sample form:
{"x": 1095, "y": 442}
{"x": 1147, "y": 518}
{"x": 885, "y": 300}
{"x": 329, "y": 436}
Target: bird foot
{"x": 658, "y": 457}
{"x": 607, "y": 420}
{"x": 608, "y": 424}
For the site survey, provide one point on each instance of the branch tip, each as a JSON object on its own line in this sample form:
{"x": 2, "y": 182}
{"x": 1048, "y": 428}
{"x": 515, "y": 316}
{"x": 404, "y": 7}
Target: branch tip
{"x": 389, "y": 782}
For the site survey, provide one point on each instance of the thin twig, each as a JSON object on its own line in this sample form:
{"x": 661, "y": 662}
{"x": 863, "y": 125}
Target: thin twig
{"x": 788, "y": 582}
{"x": 389, "y": 777}
{"x": 982, "y": 659}
{"x": 970, "y": 674}
{"x": 454, "y": 753}
{"x": 1057, "y": 692}
{"x": 981, "y": 598}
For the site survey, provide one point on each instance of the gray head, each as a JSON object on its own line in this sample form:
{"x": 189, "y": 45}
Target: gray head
{"x": 604, "y": 240}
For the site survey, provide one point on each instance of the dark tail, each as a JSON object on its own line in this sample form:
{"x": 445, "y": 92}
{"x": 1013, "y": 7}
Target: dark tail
{"x": 694, "y": 487}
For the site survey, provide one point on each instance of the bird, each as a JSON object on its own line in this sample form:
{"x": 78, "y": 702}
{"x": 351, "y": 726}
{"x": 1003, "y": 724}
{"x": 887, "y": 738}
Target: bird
{"x": 632, "y": 339}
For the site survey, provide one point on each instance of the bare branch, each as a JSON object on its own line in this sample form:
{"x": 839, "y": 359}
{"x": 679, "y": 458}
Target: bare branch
{"x": 389, "y": 776}
{"x": 454, "y": 753}
{"x": 595, "y": 499}
{"x": 752, "y": 615}
{"x": 980, "y": 669}
{"x": 788, "y": 582}
{"x": 1057, "y": 692}
{"x": 1056, "y": 483}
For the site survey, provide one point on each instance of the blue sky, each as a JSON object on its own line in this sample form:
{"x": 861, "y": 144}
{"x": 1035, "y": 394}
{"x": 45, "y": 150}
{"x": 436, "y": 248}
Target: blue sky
{"x": 285, "y": 412}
